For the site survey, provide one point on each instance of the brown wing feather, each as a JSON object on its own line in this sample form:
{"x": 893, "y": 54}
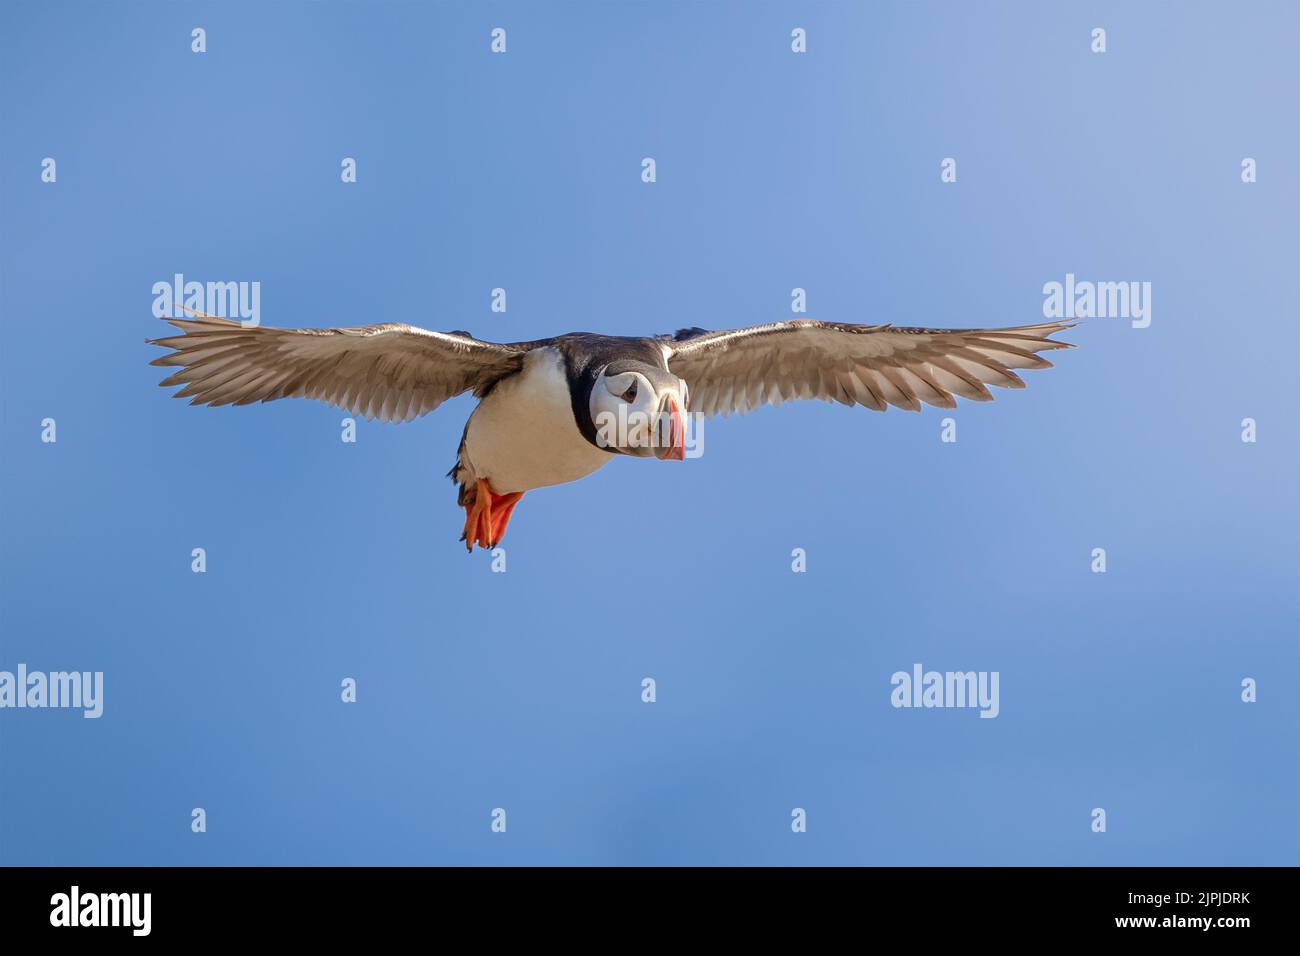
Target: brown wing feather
{"x": 392, "y": 372}
{"x": 872, "y": 365}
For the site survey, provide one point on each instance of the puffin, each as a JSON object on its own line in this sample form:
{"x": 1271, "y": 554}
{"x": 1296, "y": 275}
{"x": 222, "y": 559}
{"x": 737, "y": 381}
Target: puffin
{"x": 555, "y": 410}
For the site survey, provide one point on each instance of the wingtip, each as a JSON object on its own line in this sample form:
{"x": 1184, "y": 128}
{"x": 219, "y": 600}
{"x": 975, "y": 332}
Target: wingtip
{"x": 1064, "y": 327}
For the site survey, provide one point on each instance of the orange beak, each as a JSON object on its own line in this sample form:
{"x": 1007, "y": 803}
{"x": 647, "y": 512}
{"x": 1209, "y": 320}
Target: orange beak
{"x": 675, "y": 448}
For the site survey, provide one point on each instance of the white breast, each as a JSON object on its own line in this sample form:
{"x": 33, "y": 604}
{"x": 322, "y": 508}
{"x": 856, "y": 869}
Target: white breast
{"x": 523, "y": 436}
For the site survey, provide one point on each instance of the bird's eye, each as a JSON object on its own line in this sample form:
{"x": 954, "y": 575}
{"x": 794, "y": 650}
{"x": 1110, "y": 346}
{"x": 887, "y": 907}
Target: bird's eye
{"x": 630, "y": 394}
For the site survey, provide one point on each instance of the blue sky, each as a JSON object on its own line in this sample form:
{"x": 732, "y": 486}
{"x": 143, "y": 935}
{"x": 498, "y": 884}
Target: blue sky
{"x": 522, "y": 690}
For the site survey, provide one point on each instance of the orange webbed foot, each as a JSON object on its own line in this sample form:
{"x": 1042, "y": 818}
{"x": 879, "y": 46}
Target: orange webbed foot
{"x": 488, "y": 516}
{"x": 502, "y": 506}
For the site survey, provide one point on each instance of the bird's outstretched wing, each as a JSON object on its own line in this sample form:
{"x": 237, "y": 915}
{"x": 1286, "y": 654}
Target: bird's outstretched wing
{"x": 871, "y": 365}
{"x": 392, "y": 372}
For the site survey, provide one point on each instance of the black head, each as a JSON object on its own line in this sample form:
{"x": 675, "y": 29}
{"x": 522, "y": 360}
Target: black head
{"x": 624, "y": 398}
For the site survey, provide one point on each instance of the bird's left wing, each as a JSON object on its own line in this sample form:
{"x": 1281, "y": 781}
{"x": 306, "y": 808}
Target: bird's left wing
{"x": 872, "y": 365}
{"x": 392, "y": 372}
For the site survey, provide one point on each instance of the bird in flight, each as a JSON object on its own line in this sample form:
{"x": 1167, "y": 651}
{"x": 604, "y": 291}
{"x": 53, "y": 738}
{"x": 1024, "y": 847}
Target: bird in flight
{"x": 555, "y": 410}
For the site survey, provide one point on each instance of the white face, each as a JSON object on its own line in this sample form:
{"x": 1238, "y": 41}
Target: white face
{"x": 634, "y": 417}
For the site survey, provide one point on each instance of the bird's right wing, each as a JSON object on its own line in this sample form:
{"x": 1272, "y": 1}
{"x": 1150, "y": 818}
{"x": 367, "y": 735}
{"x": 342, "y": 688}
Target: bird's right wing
{"x": 392, "y": 372}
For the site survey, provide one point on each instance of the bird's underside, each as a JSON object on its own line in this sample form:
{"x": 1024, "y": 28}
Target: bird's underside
{"x": 546, "y": 407}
